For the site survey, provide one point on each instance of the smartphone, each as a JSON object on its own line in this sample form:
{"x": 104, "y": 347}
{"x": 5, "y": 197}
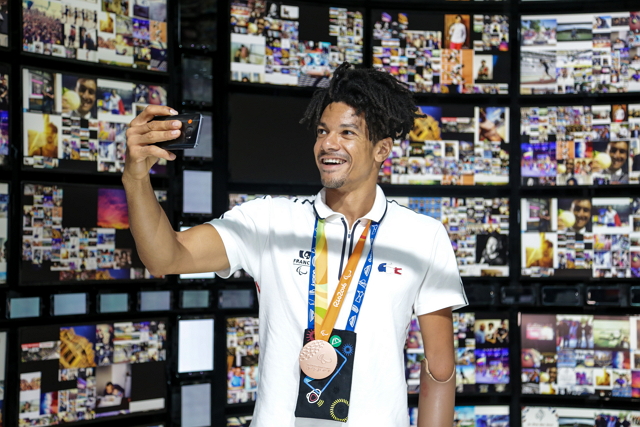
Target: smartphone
{"x": 189, "y": 132}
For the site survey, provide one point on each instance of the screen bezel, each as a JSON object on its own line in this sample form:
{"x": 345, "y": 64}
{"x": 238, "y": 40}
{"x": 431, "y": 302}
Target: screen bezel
{"x": 53, "y": 304}
{"x": 195, "y": 374}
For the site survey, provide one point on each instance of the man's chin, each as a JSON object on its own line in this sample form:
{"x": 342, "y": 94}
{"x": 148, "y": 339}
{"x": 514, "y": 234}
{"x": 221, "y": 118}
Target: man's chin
{"x": 332, "y": 183}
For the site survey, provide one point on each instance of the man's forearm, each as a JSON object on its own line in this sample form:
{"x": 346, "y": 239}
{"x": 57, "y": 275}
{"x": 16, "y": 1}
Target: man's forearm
{"x": 437, "y": 400}
{"x": 155, "y": 238}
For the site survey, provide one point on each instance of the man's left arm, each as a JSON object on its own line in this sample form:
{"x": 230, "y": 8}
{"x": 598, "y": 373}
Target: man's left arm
{"x": 437, "y": 375}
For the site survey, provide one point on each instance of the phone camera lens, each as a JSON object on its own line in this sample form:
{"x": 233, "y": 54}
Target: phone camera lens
{"x": 189, "y": 131}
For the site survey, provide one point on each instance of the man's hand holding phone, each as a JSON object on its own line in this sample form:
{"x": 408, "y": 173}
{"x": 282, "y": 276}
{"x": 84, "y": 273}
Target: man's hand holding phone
{"x": 142, "y": 134}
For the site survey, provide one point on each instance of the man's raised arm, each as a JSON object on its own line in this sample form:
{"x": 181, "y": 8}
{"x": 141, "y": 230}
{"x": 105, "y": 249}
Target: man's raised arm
{"x": 161, "y": 249}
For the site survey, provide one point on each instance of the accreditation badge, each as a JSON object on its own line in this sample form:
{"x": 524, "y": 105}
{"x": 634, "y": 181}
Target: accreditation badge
{"x": 328, "y": 398}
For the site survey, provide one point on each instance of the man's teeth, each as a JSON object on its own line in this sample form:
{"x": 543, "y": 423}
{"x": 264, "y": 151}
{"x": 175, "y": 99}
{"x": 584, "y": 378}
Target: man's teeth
{"x": 333, "y": 161}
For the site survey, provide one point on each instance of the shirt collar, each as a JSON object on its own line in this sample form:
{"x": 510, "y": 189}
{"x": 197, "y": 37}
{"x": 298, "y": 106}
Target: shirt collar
{"x": 377, "y": 212}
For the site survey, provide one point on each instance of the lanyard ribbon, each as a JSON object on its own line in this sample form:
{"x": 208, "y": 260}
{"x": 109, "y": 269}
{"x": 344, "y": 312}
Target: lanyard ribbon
{"x": 320, "y": 319}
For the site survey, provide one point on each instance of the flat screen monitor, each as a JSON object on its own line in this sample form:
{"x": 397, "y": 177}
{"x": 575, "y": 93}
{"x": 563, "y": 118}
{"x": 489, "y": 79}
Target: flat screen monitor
{"x": 4, "y": 230}
{"x": 546, "y": 416}
{"x": 19, "y": 308}
{"x": 195, "y": 345}
{"x": 113, "y": 303}
{"x": 78, "y": 233}
{"x": 580, "y": 237}
{"x": 198, "y": 24}
{"x": 447, "y": 53}
{"x": 593, "y": 356}
{"x": 195, "y": 405}
{"x": 4, "y": 26}
{"x": 478, "y": 229}
{"x": 473, "y": 416}
{"x": 265, "y": 134}
{"x": 452, "y": 145}
{"x": 78, "y": 123}
{"x": 579, "y": 53}
{"x": 69, "y": 304}
{"x": 4, "y": 112}
{"x": 84, "y": 372}
{"x": 154, "y": 301}
{"x": 197, "y": 79}
{"x": 239, "y": 421}
{"x": 481, "y": 342}
{"x": 580, "y": 145}
{"x": 3, "y": 370}
{"x": 197, "y": 192}
{"x": 204, "y": 150}
{"x": 128, "y": 34}
{"x": 243, "y": 347}
{"x": 298, "y": 44}
{"x": 194, "y": 298}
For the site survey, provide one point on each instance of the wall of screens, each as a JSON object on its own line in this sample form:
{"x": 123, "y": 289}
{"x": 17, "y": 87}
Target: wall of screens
{"x": 243, "y": 348}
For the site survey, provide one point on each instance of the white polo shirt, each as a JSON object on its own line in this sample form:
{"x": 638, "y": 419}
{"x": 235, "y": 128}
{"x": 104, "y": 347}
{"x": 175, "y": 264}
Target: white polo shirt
{"x": 414, "y": 269}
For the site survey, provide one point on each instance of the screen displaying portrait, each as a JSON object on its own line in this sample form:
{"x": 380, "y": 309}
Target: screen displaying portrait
{"x": 73, "y": 233}
{"x": 4, "y": 112}
{"x": 580, "y": 355}
{"x": 84, "y": 372}
{"x": 481, "y": 342}
{"x": 243, "y": 348}
{"x": 580, "y": 53}
{"x": 544, "y": 416}
{"x": 581, "y": 237}
{"x": 478, "y": 229}
{"x": 296, "y": 44}
{"x": 131, "y": 33}
{"x": 78, "y": 123}
{"x": 452, "y": 145}
{"x": 580, "y": 145}
{"x": 443, "y": 53}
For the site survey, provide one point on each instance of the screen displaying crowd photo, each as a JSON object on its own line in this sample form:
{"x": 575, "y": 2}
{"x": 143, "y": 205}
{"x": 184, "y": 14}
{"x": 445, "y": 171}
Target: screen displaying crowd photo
{"x": 91, "y": 371}
{"x": 472, "y": 416}
{"x": 452, "y": 145}
{"x": 243, "y": 349}
{"x": 478, "y": 229}
{"x": 580, "y": 355}
{"x": 481, "y": 342}
{"x": 544, "y": 416}
{"x": 127, "y": 33}
{"x": 581, "y": 237}
{"x": 580, "y": 145}
{"x": 443, "y": 53}
{"x": 580, "y": 53}
{"x": 73, "y": 232}
{"x": 78, "y": 123}
{"x": 4, "y": 114}
{"x": 298, "y": 45}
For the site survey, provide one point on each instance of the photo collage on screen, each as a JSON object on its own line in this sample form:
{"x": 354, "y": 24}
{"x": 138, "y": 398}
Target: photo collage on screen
{"x": 4, "y": 23}
{"x": 78, "y": 123}
{"x": 452, "y": 145}
{"x": 543, "y": 416}
{"x": 4, "y": 114}
{"x": 267, "y": 43}
{"x": 580, "y": 355}
{"x": 443, "y": 53}
{"x": 580, "y": 53}
{"x": 63, "y": 242}
{"x": 481, "y": 342}
{"x": 4, "y": 230}
{"x": 581, "y": 237}
{"x": 580, "y": 145}
{"x": 243, "y": 349}
{"x": 472, "y": 416}
{"x": 478, "y": 229}
{"x": 91, "y": 371}
{"x": 3, "y": 367}
{"x": 131, "y": 33}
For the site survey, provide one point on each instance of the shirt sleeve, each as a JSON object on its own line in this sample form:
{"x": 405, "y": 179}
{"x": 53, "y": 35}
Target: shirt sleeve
{"x": 244, "y": 231}
{"x": 442, "y": 286}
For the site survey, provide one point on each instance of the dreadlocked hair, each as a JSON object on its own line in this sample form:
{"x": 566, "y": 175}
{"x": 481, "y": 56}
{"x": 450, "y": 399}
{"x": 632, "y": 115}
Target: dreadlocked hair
{"x": 388, "y": 105}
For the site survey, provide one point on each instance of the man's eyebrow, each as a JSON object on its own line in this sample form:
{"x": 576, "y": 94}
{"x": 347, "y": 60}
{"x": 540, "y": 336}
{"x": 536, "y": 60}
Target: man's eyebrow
{"x": 343, "y": 125}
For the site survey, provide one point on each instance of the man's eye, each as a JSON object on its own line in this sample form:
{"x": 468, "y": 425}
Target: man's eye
{"x": 321, "y": 131}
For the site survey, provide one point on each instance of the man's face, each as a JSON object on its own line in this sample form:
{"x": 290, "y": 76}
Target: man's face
{"x": 582, "y": 211}
{"x": 619, "y": 152}
{"x": 109, "y": 389}
{"x": 344, "y": 154}
{"x": 492, "y": 244}
{"x": 86, "y": 89}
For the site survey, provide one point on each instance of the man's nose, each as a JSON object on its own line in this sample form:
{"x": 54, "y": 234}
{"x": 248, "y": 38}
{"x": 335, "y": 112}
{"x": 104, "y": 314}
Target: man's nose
{"x": 330, "y": 143}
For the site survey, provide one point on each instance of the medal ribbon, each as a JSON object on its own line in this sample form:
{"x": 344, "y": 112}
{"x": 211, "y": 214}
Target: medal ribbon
{"x": 321, "y": 319}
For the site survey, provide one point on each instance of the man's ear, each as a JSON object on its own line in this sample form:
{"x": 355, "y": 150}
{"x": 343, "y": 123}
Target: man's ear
{"x": 382, "y": 149}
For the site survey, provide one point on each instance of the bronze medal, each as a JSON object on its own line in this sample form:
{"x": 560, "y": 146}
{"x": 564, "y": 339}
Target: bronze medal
{"x": 318, "y": 359}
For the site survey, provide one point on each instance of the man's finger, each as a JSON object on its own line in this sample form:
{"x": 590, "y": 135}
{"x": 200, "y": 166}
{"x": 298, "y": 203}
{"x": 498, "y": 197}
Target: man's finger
{"x": 153, "y": 126}
{"x": 150, "y": 112}
{"x": 153, "y": 137}
{"x": 156, "y": 151}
